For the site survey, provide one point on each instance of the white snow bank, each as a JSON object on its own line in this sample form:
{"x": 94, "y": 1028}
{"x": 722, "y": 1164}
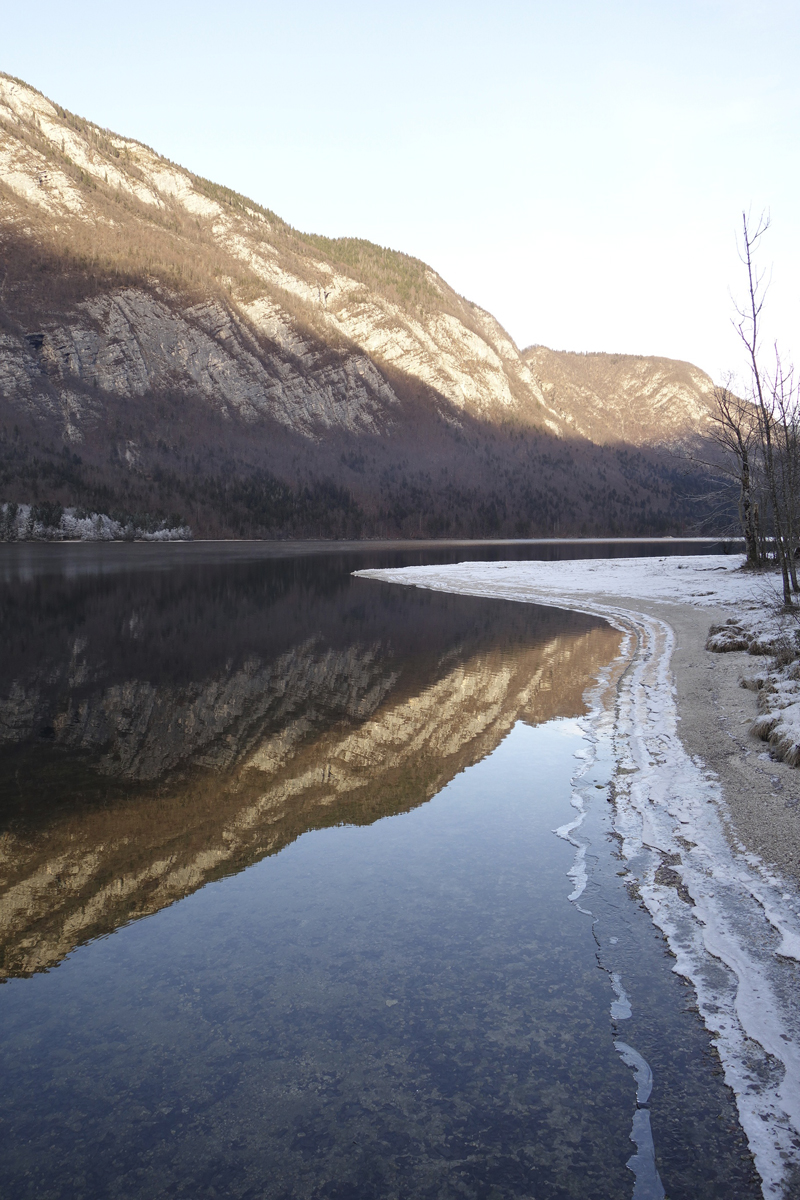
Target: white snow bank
{"x": 732, "y": 923}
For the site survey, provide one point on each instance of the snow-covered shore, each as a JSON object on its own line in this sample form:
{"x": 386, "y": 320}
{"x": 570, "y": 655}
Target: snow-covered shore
{"x": 702, "y": 817}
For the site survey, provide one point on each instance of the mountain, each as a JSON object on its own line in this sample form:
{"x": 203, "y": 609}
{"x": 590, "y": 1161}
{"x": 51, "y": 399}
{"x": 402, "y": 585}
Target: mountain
{"x": 637, "y": 399}
{"x": 167, "y": 345}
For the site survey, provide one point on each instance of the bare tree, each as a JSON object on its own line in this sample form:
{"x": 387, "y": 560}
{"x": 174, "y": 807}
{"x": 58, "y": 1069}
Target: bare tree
{"x": 735, "y": 430}
{"x": 748, "y": 326}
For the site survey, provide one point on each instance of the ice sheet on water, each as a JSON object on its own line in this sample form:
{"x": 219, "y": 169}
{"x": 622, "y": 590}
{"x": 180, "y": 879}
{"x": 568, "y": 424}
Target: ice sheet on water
{"x": 621, "y": 1007}
{"x": 641, "y": 1070}
{"x": 648, "y": 1185}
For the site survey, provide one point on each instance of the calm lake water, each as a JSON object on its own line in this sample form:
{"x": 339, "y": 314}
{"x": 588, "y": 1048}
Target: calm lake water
{"x": 282, "y": 909}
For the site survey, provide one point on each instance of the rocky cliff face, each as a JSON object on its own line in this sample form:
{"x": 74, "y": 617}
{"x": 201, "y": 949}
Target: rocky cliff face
{"x": 167, "y": 343}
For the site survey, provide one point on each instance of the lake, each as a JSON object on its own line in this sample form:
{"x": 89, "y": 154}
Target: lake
{"x": 283, "y": 911}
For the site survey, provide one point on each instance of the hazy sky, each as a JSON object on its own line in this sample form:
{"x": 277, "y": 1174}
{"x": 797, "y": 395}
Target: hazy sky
{"x": 578, "y": 168}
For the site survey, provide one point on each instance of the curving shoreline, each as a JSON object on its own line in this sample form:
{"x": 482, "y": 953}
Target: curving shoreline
{"x": 707, "y": 821}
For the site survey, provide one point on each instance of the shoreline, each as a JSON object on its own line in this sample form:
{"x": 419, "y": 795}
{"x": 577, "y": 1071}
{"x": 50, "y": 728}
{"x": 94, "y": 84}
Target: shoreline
{"x": 715, "y": 713}
{"x": 707, "y": 821}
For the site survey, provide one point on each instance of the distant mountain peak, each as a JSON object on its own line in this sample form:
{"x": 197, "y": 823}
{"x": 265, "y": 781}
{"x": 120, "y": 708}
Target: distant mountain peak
{"x": 638, "y": 399}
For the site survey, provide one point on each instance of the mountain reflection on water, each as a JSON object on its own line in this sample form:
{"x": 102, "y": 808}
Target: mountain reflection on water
{"x": 163, "y": 729}
{"x": 409, "y": 1008}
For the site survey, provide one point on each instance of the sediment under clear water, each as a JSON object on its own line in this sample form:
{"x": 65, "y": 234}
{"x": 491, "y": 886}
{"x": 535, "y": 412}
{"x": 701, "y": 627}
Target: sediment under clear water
{"x": 283, "y": 912}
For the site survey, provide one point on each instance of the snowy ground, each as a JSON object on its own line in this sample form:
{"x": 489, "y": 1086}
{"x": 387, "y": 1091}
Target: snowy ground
{"x": 732, "y": 921}
{"x": 707, "y": 580}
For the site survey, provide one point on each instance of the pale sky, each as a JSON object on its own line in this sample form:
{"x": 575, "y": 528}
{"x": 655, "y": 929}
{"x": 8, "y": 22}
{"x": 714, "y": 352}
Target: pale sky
{"x": 577, "y": 168}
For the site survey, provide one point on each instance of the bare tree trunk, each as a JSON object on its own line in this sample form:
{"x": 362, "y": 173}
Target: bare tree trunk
{"x": 748, "y": 513}
{"x": 784, "y": 405}
{"x": 760, "y": 540}
{"x": 734, "y": 429}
